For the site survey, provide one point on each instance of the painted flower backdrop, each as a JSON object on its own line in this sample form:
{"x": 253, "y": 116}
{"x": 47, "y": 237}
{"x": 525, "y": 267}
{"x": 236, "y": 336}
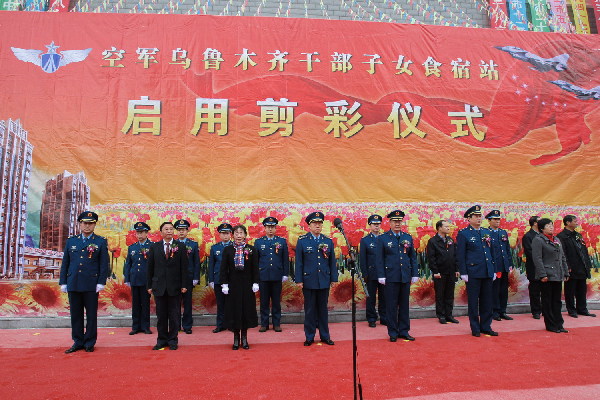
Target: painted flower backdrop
{"x": 35, "y": 298}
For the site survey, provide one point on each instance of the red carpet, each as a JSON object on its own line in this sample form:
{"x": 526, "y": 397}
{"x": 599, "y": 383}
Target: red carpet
{"x": 444, "y": 358}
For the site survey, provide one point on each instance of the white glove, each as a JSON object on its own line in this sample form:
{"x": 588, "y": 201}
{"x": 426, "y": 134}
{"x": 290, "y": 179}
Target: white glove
{"x": 494, "y": 277}
{"x": 414, "y": 279}
{"x": 128, "y": 284}
{"x": 224, "y": 288}
{"x": 212, "y": 285}
{"x": 255, "y": 287}
{"x": 284, "y": 278}
{"x": 63, "y": 288}
{"x": 195, "y": 282}
{"x": 381, "y": 280}
{"x": 465, "y": 278}
{"x": 99, "y": 287}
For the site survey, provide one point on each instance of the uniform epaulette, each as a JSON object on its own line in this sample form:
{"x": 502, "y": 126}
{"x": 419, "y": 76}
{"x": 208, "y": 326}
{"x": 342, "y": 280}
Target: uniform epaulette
{"x": 304, "y": 236}
{"x": 72, "y": 236}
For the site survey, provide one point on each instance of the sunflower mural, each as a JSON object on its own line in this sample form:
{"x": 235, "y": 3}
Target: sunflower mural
{"x": 37, "y": 298}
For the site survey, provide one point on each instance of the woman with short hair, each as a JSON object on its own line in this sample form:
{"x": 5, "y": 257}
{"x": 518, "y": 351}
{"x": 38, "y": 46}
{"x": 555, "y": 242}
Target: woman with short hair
{"x": 239, "y": 281}
{"x": 550, "y": 269}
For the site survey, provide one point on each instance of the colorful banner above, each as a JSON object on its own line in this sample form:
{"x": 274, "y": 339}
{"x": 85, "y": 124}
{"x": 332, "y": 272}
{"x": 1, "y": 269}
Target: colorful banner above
{"x": 539, "y": 15}
{"x": 518, "y": 14}
{"x": 498, "y": 14}
{"x": 580, "y": 15}
{"x": 156, "y": 117}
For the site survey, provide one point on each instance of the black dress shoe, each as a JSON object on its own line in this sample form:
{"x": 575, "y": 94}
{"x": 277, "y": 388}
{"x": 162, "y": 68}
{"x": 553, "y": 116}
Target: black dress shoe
{"x": 393, "y": 338}
{"x": 384, "y": 323}
{"x": 442, "y": 320}
{"x": 133, "y": 332}
{"x": 188, "y": 331}
{"x": 573, "y": 315}
{"x": 536, "y": 316}
{"x": 73, "y": 349}
{"x": 328, "y": 342}
{"x": 89, "y": 349}
{"x": 217, "y": 330}
{"x": 308, "y": 342}
{"x": 372, "y": 324}
{"x": 407, "y": 337}
{"x": 173, "y": 347}
{"x": 506, "y": 317}
{"x": 158, "y": 347}
{"x": 263, "y": 329}
{"x": 490, "y": 333}
{"x": 147, "y": 331}
{"x": 452, "y": 319}
{"x": 587, "y": 314}
{"x": 476, "y": 334}
{"x": 497, "y": 318}
{"x": 554, "y": 330}
{"x": 277, "y": 328}
{"x": 563, "y": 330}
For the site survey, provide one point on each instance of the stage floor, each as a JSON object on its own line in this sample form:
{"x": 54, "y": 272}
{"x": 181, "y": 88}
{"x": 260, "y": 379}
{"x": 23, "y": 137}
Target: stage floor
{"x": 445, "y": 362}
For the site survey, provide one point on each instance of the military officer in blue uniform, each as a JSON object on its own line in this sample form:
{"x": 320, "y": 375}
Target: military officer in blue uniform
{"x": 315, "y": 272}
{"x": 136, "y": 277}
{"x": 274, "y": 268}
{"x": 474, "y": 253}
{"x": 503, "y": 264}
{"x": 83, "y": 274}
{"x": 397, "y": 268}
{"x": 193, "y": 253}
{"x": 214, "y": 270}
{"x": 367, "y": 261}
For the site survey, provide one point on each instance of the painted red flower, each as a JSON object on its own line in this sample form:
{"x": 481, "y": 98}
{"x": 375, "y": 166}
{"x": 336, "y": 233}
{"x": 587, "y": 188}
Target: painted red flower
{"x": 44, "y": 297}
{"x": 461, "y": 298}
{"x": 341, "y": 293}
{"x": 422, "y": 292}
{"x": 116, "y": 296}
{"x": 9, "y": 300}
{"x": 292, "y": 299}
{"x": 208, "y": 300}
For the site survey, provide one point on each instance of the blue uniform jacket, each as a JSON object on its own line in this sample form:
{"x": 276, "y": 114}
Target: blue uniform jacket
{"x": 501, "y": 246}
{"x": 193, "y": 253}
{"x": 396, "y": 257}
{"x": 367, "y": 257}
{"x": 315, "y": 267}
{"x": 475, "y": 256}
{"x": 273, "y": 258}
{"x": 214, "y": 262}
{"x": 84, "y": 265}
{"x": 136, "y": 264}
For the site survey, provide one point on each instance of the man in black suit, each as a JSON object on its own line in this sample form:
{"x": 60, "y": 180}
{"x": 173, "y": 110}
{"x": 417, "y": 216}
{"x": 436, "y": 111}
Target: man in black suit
{"x": 441, "y": 254}
{"x": 167, "y": 279}
{"x": 535, "y": 293}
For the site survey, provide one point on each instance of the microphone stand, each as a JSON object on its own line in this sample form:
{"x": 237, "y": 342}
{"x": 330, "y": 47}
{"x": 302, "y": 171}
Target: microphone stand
{"x": 351, "y": 261}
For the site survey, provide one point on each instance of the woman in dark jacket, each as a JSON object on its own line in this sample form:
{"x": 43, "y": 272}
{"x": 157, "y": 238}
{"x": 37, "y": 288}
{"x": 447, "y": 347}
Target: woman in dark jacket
{"x": 550, "y": 269}
{"x": 239, "y": 281}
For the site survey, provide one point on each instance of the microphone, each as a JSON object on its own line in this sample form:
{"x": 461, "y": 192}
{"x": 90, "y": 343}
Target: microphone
{"x": 338, "y": 224}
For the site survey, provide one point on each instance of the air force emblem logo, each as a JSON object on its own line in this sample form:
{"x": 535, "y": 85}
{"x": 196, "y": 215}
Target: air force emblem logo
{"x": 51, "y": 61}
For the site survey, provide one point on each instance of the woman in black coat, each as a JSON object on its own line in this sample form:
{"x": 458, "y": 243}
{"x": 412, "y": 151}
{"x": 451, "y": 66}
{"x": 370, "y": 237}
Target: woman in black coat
{"x": 239, "y": 281}
{"x": 550, "y": 269}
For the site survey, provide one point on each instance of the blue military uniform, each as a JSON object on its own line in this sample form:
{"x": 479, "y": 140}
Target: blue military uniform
{"x": 503, "y": 265}
{"x": 214, "y": 271}
{"x": 368, "y": 266}
{"x": 397, "y": 263}
{"x": 135, "y": 273}
{"x": 475, "y": 260}
{"x": 274, "y": 268}
{"x": 316, "y": 270}
{"x": 84, "y": 266}
{"x": 193, "y": 254}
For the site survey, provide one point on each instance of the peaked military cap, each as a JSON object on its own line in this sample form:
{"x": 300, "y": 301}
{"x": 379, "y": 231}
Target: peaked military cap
{"x": 224, "y": 228}
{"x": 476, "y": 209}
{"x": 270, "y": 221}
{"x": 181, "y": 223}
{"x": 374, "y": 219}
{"x": 141, "y": 226}
{"x": 493, "y": 214}
{"x": 396, "y": 214}
{"x": 87, "y": 216}
{"x": 316, "y": 216}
